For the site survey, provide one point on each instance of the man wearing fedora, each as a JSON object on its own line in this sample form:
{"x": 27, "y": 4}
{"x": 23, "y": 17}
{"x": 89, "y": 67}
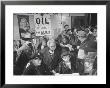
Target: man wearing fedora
{"x": 87, "y": 53}
{"x": 66, "y": 66}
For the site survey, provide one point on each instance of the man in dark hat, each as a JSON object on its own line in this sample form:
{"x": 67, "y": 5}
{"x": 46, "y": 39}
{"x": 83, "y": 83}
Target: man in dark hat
{"x": 36, "y": 67}
{"x": 66, "y": 65}
{"x": 86, "y": 47}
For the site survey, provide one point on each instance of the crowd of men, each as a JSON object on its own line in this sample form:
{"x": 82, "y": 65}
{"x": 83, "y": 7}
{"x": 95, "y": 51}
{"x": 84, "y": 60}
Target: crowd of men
{"x": 73, "y": 51}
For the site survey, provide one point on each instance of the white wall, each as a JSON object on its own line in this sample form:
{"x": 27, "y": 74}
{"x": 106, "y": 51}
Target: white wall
{"x": 15, "y": 28}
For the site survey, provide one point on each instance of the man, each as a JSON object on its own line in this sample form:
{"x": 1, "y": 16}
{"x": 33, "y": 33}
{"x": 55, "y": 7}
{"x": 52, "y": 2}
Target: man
{"x": 43, "y": 44}
{"x": 51, "y": 55}
{"x": 66, "y": 32}
{"x": 36, "y": 67}
{"x": 23, "y": 56}
{"x": 66, "y": 65}
{"x": 93, "y": 34}
{"x": 87, "y": 48}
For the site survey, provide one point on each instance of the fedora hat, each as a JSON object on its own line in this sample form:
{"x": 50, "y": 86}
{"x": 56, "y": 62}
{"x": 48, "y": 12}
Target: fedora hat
{"x": 65, "y": 53}
{"x": 81, "y": 33}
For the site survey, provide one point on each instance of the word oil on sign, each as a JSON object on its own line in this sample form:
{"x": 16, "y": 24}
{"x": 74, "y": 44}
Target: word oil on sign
{"x": 42, "y": 21}
{"x": 42, "y": 24}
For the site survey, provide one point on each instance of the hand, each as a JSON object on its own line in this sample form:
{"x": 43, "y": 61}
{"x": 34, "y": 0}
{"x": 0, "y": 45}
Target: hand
{"x": 53, "y": 72}
{"x": 70, "y": 47}
{"x": 61, "y": 44}
{"x": 57, "y": 74}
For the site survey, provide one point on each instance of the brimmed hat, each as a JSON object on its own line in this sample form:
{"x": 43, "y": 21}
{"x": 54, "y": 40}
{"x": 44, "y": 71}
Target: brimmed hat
{"x": 36, "y": 56}
{"x": 81, "y": 33}
{"x": 66, "y": 25}
{"x": 65, "y": 53}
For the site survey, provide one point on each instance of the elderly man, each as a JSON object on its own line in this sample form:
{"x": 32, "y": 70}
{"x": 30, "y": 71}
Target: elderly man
{"x": 51, "y": 55}
{"x": 87, "y": 53}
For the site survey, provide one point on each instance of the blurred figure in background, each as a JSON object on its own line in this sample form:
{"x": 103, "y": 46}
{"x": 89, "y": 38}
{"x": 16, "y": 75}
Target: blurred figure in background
{"x": 86, "y": 47}
{"x": 43, "y": 44}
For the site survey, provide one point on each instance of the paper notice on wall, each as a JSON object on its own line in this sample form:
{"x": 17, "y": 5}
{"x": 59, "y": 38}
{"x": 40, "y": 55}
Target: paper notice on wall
{"x": 43, "y": 32}
{"x": 42, "y": 24}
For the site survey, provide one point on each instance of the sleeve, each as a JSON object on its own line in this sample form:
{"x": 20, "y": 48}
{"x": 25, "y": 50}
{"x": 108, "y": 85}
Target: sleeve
{"x": 30, "y": 70}
{"x": 57, "y": 70}
{"x": 56, "y": 61}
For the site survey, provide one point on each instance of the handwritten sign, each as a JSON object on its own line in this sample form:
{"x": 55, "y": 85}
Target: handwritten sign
{"x": 43, "y": 32}
{"x": 42, "y": 24}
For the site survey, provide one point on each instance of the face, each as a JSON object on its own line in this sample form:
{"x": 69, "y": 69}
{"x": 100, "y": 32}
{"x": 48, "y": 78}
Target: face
{"x": 52, "y": 46}
{"x": 69, "y": 32}
{"x": 66, "y": 58}
{"x": 81, "y": 38}
{"x": 75, "y": 30}
{"x": 17, "y": 43}
{"x": 27, "y": 49}
{"x": 95, "y": 32}
{"x": 37, "y": 62}
{"x": 64, "y": 40}
{"x": 14, "y": 43}
{"x": 43, "y": 42}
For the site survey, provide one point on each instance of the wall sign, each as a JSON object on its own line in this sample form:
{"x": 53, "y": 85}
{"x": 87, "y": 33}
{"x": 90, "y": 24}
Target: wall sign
{"x": 42, "y": 24}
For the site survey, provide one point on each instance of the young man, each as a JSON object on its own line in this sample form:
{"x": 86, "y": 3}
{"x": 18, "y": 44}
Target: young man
{"x": 65, "y": 66}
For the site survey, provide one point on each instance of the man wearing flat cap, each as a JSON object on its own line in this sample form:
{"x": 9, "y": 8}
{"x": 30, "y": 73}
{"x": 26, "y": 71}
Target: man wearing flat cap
{"x": 87, "y": 53}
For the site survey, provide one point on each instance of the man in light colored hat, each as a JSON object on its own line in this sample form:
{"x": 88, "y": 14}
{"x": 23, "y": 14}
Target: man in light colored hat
{"x": 87, "y": 48}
